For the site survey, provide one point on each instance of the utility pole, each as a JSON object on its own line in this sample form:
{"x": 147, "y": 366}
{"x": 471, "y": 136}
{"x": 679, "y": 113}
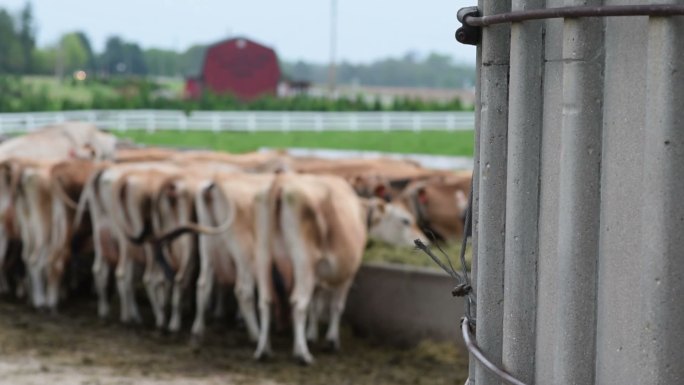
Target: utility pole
{"x": 332, "y": 71}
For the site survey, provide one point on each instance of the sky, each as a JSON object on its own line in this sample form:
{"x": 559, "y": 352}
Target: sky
{"x": 297, "y": 29}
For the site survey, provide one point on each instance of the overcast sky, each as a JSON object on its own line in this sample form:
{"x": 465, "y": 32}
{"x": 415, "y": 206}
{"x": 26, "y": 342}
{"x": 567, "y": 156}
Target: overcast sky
{"x": 297, "y": 29}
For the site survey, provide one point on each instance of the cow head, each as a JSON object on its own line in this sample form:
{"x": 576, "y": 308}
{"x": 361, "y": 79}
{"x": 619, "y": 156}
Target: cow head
{"x": 391, "y": 223}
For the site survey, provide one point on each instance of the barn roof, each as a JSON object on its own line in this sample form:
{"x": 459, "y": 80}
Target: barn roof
{"x": 196, "y": 72}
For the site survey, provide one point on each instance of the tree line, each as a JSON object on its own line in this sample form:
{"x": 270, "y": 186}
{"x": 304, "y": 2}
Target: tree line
{"x": 73, "y": 51}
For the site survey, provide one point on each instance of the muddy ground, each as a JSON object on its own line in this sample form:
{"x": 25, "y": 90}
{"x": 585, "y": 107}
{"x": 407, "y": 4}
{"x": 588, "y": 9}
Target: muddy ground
{"x": 75, "y": 347}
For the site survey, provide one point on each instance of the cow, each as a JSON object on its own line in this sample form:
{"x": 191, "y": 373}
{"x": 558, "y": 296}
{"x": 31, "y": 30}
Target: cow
{"x": 174, "y": 207}
{"x": 144, "y": 199}
{"x": 107, "y": 199}
{"x": 229, "y": 257}
{"x": 61, "y": 141}
{"x": 33, "y": 209}
{"x": 56, "y": 142}
{"x": 254, "y": 162}
{"x": 439, "y": 206}
{"x": 152, "y": 154}
{"x": 314, "y": 226}
{"x": 67, "y": 180}
{"x": 132, "y": 195}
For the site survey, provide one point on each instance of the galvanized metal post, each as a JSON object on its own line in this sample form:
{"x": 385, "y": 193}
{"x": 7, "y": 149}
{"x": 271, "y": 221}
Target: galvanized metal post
{"x": 492, "y": 143}
{"x": 579, "y": 198}
{"x": 522, "y": 207}
{"x": 663, "y": 207}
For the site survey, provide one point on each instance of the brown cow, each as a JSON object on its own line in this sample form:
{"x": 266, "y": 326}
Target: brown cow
{"x": 249, "y": 162}
{"x": 67, "y": 180}
{"x": 438, "y": 205}
{"x": 152, "y": 154}
{"x": 229, "y": 258}
{"x": 314, "y": 226}
{"x": 174, "y": 207}
{"x": 56, "y": 142}
{"x": 102, "y": 198}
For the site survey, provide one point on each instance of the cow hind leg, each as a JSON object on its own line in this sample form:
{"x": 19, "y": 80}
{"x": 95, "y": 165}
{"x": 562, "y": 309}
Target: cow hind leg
{"x": 263, "y": 274}
{"x": 54, "y": 280}
{"x": 155, "y": 292}
{"x": 124, "y": 283}
{"x": 304, "y": 280}
{"x": 338, "y": 299}
{"x": 314, "y": 311}
{"x": 204, "y": 286}
{"x": 244, "y": 292}
{"x": 101, "y": 278}
{"x": 37, "y": 285}
{"x": 4, "y": 285}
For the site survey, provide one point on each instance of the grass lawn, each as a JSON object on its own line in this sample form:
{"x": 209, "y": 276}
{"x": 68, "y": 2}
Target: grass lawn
{"x": 458, "y": 143}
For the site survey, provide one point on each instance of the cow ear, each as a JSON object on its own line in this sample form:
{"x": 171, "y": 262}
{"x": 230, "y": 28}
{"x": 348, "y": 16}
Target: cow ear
{"x": 422, "y": 196}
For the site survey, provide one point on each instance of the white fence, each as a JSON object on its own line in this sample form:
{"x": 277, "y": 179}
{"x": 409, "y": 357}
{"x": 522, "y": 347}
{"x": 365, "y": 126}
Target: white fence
{"x": 252, "y": 121}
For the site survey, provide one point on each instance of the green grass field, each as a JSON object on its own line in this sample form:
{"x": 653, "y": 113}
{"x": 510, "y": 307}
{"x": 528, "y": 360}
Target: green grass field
{"x": 459, "y": 143}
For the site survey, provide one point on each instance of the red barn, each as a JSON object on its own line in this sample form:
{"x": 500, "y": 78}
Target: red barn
{"x": 238, "y": 66}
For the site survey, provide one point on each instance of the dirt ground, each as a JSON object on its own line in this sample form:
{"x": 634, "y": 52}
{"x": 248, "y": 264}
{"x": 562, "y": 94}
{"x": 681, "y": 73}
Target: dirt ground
{"x": 75, "y": 347}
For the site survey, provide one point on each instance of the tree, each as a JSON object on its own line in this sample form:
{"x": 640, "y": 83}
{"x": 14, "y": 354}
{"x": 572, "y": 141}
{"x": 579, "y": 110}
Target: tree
{"x": 72, "y": 55}
{"x": 85, "y": 43}
{"x": 121, "y": 58}
{"x": 192, "y": 60}
{"x": 27, "y": 38}
{"x": 11, "y": 58}
{"x": 44, "y": 60}
{"x": 162, "y": 62}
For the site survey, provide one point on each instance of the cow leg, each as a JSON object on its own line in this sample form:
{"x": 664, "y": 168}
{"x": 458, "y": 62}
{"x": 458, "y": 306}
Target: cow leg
{"x": 36, "y": 269}
{"x": 244, "y": 292}
{"x": 101, "y": 277}
{"x": 124, "y": 282}
{"x": 304, "y": 279}
{"x": 155, "y": 289}
{"x": 180, "y": 284}
{"x": 263, "y": 272}
{"x": 4, "y": 285}
{"x": 314, "y": 311}
{"x": 37, "y": 280}
{"x": 219, "y": 302}
{"x": 54, "y": 279}
{"x": 205, "y": 284}
{"x": 337, "y": 301}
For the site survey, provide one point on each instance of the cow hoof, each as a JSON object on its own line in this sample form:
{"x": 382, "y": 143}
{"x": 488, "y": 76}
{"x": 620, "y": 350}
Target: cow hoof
{"x": 331, "y": 346}
{"x": 263, "y": 356}
{"x": 104, "y": 321}
{"x": 305, "y": 359}
{"x": 42, "y": 310}
{"x": 161, "y": 333}
{"x": 196, "y": 342}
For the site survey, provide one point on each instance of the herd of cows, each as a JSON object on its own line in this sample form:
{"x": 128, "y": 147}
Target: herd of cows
{"x": 288, "y": 234}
